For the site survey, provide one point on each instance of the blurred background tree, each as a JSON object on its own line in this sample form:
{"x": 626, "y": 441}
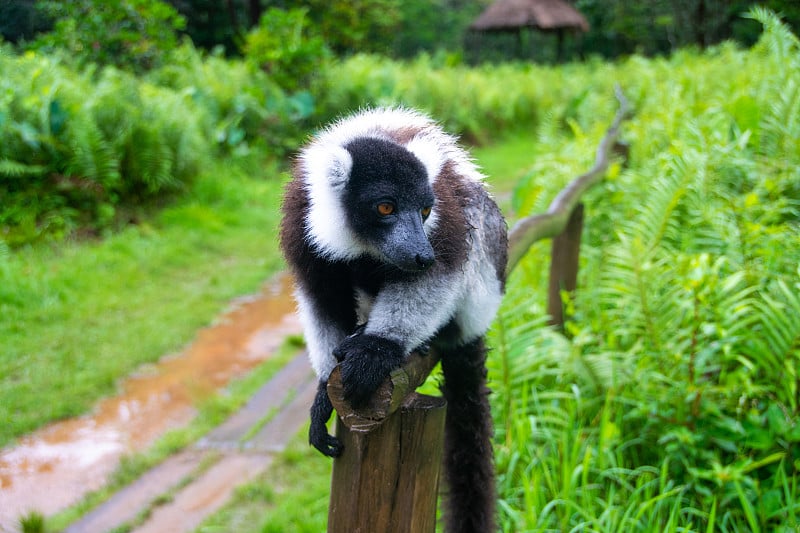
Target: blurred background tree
{"x": 136, "y": 30}
{"x": 131, "y": 34}
{"x": 659, "y": 26}
{"x": 287, "y": 47}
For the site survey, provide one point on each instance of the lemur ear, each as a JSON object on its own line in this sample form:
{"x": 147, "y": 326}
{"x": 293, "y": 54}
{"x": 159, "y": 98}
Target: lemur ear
{"x": 427, "y": 150}
{"x": 328, "y": 165}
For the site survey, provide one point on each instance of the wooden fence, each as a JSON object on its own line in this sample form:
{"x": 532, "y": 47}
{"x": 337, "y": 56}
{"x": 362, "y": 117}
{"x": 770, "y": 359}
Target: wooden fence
{"x": 388, "y": 476}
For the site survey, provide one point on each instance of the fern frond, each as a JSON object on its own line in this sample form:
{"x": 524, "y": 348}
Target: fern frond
{"x": 91, "y": 156}
{"x": 777, "y": 36}
{"x": 773, "y": 343}
{"x": 148, "y": 162}
{"x": 654, "y": 218}
{"x": 14, "y": 169}
{"x": 781, "y": 127}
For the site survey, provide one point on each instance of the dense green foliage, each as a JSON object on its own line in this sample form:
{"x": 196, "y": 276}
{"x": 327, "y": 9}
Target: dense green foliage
{"x": 73, "y": 146}
{"x": 86, "y": 149}
{"x": 84, "y": 146}
{"x": 400, "y": 29}
{"x": 659, "y": 26}
{"x": 135, "y": 34}
{"x": 286, "y": 48}
{"x": 672, "y": 402}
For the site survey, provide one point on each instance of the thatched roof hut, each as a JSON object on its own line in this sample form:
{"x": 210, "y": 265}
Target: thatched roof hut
{"x": 544, "y": 15}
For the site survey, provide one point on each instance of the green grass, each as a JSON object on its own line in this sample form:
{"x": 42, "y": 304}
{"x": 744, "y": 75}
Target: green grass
{"x": 505, "y": 162}
{"x": 507, "y": 159}
{"x": 79, "y": 316}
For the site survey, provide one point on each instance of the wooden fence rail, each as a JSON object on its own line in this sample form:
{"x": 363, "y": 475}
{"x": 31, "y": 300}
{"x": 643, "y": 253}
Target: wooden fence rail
{"x": 387, "y": 478}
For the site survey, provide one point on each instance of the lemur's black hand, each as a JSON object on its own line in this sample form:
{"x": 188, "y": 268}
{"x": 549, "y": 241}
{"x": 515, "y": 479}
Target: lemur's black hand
{"x": 321, "y": 411}
{"x": 338, "y": 353}
{"x": 366, "y": 361}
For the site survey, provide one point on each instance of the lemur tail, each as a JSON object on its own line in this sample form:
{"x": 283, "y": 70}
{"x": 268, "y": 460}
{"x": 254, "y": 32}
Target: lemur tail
{"x": 468, "y": 466}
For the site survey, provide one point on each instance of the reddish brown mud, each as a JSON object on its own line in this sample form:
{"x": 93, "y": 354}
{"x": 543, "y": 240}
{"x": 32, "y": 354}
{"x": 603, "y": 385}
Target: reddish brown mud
{"x": 54, "y": 467}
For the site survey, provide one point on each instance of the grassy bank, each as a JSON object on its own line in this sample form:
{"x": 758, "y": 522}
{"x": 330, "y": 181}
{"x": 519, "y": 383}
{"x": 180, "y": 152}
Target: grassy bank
{"x": 79, "y": 316}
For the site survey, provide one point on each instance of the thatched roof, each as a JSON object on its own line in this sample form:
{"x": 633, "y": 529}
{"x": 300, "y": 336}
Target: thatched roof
{"x": 541, "y": 14}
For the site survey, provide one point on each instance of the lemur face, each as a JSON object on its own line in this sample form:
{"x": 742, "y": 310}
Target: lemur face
{"x": 388, "y": 199}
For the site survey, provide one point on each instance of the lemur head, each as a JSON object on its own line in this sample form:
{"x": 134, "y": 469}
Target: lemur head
{"x": 369, "y": 180}
{"x": 387, "y": 200}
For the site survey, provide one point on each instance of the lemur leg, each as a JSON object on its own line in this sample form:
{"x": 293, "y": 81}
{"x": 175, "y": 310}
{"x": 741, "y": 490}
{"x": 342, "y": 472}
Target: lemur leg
{"x": 321, "y": 411}
{"x": 468, "y": 462}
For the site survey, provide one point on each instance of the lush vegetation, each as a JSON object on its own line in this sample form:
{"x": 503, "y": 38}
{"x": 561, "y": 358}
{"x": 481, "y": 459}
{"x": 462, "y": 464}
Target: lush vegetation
{"x": 136, "y": 36}
{"x": 670, "y": 402}
{"x": 85, "y": 143}
{"x": 395, "y": 29}
{"x": 86, "y": 151}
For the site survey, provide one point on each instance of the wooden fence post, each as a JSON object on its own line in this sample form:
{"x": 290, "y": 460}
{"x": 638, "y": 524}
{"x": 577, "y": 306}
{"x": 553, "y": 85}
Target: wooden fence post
{"x": 564, "y": 265}
{"x": 388, "y": 479}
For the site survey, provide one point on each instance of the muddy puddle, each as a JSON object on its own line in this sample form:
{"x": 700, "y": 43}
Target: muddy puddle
{"x": 54, "y": 467}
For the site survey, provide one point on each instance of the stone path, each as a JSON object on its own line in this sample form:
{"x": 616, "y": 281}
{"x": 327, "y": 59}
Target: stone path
{"x": 199, "y": 480}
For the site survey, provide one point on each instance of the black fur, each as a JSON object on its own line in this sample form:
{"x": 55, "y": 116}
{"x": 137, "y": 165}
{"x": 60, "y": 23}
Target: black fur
{"x": 321, "y": 411}
{"x": 385, "y": 172}
{"x": 365, "y": 362}
{"x": 468, "y": 464}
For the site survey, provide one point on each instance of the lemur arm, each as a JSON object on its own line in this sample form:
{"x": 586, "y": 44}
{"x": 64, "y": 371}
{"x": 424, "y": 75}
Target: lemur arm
{"x": 324, "y": 301}
{"x": 410, "y": 313}
{"x": 404, "y": 316}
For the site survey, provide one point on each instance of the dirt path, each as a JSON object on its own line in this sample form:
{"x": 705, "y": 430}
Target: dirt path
{"x": 76, "y": 456}
{"x": 199, "y": 480}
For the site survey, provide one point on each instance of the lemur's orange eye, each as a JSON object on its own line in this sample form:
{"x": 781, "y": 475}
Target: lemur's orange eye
{"x": 425, "y": 212}
{"x": 385, "y": 209}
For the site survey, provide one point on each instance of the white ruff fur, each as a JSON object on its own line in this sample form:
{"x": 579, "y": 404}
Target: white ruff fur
{"x": 321, "y": 338}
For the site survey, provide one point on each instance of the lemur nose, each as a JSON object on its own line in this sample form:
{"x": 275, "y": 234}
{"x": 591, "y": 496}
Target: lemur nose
{"x": 424, "y": 261}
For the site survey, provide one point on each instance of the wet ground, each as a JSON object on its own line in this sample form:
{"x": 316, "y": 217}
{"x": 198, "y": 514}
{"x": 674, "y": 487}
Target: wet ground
{"x": 53, "y": 468}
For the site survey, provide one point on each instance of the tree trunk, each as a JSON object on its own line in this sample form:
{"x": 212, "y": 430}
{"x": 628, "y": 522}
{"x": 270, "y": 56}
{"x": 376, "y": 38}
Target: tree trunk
{"x": 254, "y": 11}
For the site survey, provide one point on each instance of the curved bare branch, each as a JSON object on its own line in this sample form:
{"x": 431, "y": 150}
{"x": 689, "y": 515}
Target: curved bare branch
{"x": 536, "y": 227}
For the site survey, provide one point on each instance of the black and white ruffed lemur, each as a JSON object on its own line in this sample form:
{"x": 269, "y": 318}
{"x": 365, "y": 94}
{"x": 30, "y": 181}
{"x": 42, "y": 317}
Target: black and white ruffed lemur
{"x": 395, "y": 245}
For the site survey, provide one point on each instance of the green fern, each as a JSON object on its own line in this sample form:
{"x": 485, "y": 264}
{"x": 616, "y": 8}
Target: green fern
{"x": 15, "y": 169}
{"x": 772, "y": 342}
{"x": 781, "y": 127}
{"x": 147, "y": 162}
{"x": 91, "y": 157}
{"x": 777, "y": 38}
